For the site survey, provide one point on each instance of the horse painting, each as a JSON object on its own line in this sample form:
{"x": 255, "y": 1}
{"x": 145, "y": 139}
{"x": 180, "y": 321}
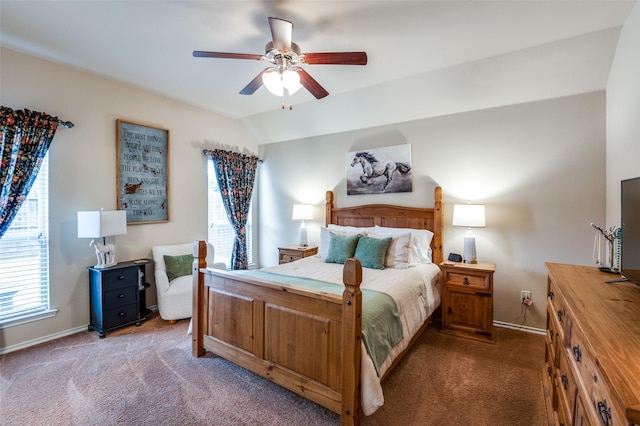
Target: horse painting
{"x": 373, "y": 169}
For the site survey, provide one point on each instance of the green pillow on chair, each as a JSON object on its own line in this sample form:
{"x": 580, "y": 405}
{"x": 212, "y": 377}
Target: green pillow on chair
{"x": 178, "y": 266}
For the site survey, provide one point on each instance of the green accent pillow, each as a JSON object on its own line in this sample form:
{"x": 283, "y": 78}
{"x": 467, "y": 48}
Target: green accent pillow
{"x": 178, "y": 266}
{"x": 341, "y": 247}
{"x": 371, "y": 252}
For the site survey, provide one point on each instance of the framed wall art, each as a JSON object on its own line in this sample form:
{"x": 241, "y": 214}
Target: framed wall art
{"x": 379, "y": 171}
{"x": 143, "y": 172}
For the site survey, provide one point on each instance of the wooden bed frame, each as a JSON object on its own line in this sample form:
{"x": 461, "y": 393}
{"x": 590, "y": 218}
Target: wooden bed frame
{"x": 305, "y": 341}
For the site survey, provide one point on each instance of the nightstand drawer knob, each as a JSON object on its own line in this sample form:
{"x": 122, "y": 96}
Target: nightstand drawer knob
{"x": 121, "y": 296}
{"x": 121, "y": 277}
{"x": 465, "y": 281}
{"x": 121, "y": 314}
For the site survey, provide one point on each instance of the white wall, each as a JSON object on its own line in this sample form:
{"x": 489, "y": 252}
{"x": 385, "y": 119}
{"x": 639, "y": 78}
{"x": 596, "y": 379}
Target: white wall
{"x": 538, "y": 167}
{"x": 623, "y": 111}
{"x": 83, "y": 172}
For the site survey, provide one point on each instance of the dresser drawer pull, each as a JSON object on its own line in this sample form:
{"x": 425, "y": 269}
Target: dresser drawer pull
{"x": 121, "y": 296}
{"x": 560, "y": 314}
{"x": 577, "y": 353}
{"x": 549, "y": 370}
{"x": 604, "y": 412}
{"x": 551, "y": 295}
{"x": 551, "y": 333}
{"x": 565, "y": 381}
{"x": 121, "y": 314}
{"x": 465, "y": 281}
{"x": 121, "y": 277}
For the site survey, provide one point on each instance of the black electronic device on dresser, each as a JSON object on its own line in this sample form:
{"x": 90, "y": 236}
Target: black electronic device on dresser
{"x": 117, "y": 296}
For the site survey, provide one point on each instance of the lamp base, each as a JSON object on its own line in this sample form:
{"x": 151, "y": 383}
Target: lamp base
{"x": 469, "y": 250}
{"x": 302, "y": 236}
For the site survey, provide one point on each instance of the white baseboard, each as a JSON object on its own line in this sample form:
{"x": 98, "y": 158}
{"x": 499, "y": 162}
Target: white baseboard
{"x": 42, "y": 339}
{"x": 519, "y": 327}
{"x": 51, "y": 337}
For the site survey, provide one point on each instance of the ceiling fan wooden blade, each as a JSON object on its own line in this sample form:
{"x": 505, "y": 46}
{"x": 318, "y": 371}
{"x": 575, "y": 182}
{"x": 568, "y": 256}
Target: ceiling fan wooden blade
{"x": 335, "y": 58}
{"x": 254, "y": 84}
{"x": 311, "y": 84}
{"x": 281, "y": 34}
{"x": 201, "y": 54}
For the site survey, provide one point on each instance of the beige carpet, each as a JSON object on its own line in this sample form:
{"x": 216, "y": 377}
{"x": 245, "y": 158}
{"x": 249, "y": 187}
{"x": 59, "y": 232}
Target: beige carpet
{"x": 146, "y": 376}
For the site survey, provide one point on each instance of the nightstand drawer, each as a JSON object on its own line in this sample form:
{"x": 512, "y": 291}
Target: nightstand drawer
{"x": 121, "y": 296}
{"x": 119, "y": 278}
{"x": 287, "y": 256}
{"x": 468, "y": 280}
{"x": 293, "y": 253}
{"x": 122, "y": 315}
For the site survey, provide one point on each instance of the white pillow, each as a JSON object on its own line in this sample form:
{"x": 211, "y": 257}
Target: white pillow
{"x": 398, "y": 252}
{"x": 325, "y": 238}
{"x": 420, "y": 250}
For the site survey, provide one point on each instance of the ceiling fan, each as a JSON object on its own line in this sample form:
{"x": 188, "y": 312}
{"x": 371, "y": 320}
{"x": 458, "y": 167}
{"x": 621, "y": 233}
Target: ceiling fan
{"x": 285, "y": 57}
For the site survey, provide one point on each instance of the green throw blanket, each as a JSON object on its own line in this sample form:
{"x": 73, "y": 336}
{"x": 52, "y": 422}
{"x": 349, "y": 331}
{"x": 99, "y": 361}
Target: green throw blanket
{"x": 381, "y": 325}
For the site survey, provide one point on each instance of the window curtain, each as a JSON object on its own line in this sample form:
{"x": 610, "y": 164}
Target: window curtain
{"x": 25, "y": 139}
{"x": 236, "y": 174}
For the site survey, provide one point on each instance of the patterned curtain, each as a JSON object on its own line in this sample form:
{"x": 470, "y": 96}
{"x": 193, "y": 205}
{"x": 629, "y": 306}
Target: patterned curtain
{"x": 25, "y": 139}
{"x": 236, "y": 174}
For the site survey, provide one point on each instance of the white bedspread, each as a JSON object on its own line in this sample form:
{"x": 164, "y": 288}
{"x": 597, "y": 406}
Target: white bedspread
{"x": 416, "y": 291}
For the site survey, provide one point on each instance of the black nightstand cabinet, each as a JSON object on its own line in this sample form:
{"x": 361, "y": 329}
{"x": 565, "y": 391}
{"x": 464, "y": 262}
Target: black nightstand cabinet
{"x": 117, "y": 296}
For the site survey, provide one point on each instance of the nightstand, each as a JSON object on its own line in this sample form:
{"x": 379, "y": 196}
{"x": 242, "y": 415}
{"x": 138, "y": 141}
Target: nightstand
{"x": 467, "y": 300}
{"x": 292, "y": 253}
{"x": 117, "y": 296}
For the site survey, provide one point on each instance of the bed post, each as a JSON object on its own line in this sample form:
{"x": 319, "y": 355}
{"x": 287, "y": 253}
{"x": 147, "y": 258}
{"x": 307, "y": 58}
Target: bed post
{"x": 351, "y": 342}
{"x": 199, "y": 262}
{"x": 438, "y": 213}
{"x": 328, "y": 207}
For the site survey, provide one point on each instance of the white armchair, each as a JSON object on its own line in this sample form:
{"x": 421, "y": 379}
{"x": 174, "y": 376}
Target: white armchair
{"x": 175, "y": 296}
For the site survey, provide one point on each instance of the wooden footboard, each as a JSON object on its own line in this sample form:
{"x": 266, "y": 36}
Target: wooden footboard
{"x": 305, "y": 341}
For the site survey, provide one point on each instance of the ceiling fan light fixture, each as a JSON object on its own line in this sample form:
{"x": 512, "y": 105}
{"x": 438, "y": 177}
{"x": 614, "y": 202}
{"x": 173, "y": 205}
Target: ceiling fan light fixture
{"x": 273, "y": 81}
{"x": 291, "y": 81}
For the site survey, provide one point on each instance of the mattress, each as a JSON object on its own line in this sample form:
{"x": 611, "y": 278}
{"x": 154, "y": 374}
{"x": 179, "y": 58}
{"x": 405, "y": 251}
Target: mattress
{"x": 416, "y": 291}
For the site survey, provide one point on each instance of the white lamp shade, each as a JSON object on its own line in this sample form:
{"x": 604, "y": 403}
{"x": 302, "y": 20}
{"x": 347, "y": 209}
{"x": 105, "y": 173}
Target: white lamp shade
{"x": 302, "y": 212}
{"x": 469, "y": 215}
{"x": 97, "y": 224}
{"x": 291, "y": 81}
{"x": 273, "y": 82}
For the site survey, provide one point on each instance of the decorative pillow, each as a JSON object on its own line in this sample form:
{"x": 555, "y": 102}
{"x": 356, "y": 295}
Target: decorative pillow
{"x": 177, "y": 266}
{"x": 398, "y": 252}
{"x": 341, "y": 247}
{"x": 323, "y": 247}
{"x": 372, "y": 251}
{"x": 420, "y": 250}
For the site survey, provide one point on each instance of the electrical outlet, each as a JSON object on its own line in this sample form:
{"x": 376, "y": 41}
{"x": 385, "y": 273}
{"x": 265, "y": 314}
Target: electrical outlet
{"x": 525, "y": 297}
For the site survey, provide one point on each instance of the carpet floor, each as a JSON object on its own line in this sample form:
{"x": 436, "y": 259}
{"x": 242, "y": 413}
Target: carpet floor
{"x": 147, "y": 376}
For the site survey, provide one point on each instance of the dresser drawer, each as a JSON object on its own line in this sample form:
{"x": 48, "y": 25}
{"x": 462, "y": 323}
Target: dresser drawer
{"x": 121, "y": 296}
{"x": 567, "y": 387}
{"x": 119, "y": 278}
{"x": 121, "y": 315}
{"x": 606, "y": 408}
{"x": 468, "y": 280}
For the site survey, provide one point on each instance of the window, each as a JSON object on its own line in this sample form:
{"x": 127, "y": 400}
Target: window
{"x": 221, "y": 233}
{"x": 24, "y": 258}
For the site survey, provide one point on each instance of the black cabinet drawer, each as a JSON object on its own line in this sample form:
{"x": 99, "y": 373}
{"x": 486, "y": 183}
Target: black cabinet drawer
{"x": 121, "y": 315}
{"x": 120, "y": 297}
{"x": 124, "y": 277}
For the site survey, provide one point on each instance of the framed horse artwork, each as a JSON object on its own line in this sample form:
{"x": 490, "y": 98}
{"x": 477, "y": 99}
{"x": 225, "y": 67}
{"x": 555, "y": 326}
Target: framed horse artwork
{"x": 379, "y": 171}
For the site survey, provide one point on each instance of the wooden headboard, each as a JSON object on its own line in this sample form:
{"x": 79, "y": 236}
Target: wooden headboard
{"x": 393, "y": 217}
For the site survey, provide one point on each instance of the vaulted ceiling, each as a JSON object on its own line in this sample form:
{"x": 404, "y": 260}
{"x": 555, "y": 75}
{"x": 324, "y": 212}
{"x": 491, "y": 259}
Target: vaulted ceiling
{"x": 426, "y": 58}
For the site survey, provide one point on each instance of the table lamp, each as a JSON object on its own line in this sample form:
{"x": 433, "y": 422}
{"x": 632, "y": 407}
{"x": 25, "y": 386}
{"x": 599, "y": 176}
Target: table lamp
{"x": 102, "y": 224}
{"x": 471, "y": 216}
{"x": 302, "y": 212}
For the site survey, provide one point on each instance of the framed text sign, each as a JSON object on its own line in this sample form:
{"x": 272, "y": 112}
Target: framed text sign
{"x": 143, "y": 172}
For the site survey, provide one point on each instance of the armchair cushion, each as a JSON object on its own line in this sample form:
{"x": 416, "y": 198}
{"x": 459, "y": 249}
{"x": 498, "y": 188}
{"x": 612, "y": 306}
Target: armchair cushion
{"x": 175, "y": 295}
{"x": 178, "y": 266}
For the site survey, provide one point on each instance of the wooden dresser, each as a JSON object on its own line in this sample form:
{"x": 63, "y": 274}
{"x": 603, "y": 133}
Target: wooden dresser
{"x": 592, "y": 360}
